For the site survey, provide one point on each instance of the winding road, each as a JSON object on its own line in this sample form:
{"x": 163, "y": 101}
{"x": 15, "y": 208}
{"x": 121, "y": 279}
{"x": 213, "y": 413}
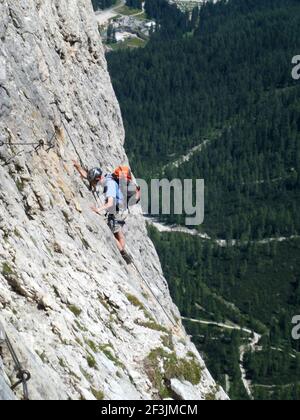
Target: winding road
{"x": 243, "y": 349}
{"x": 103, "y": 16}
{"x": 220, "y": 242}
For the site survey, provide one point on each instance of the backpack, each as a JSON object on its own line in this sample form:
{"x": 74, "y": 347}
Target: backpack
{"x": 122, "y": 172}
{"x": 123, "y": 176}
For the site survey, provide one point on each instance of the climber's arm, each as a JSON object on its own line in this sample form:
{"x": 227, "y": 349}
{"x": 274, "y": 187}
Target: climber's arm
{"x": 108, "y": 206}
{"x": 83, "y": 173}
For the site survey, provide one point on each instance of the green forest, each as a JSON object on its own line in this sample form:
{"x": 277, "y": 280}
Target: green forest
{"x": 135, "y": 4}
{"x": 255, "y": 286}
{"x": 221, "y": 77}
{"x": 103, "y": 4}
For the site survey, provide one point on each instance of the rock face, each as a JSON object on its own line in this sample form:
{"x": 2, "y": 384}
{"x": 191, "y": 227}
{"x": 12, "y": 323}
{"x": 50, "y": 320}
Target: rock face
{"x": 5, "y": 392}
{"x": 83, "y": 323}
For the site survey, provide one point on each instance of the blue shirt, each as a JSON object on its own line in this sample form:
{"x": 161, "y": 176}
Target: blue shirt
{"x": 112, "y": 190}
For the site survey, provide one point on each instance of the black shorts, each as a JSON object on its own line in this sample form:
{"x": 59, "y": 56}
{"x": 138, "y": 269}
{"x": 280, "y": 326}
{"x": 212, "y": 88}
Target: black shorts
{"x": 116, "y": 222}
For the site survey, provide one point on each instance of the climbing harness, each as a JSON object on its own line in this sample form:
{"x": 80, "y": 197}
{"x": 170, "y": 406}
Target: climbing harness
{"x": 23, "y": 376}
{"x": 113, "y": 222}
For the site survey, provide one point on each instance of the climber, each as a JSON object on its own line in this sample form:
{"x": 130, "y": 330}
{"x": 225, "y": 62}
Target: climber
{"x": 114, "y": 205}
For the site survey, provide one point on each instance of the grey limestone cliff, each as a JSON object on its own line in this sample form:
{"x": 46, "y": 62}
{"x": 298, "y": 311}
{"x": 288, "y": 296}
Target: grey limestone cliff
{"x": 83, "y": 323}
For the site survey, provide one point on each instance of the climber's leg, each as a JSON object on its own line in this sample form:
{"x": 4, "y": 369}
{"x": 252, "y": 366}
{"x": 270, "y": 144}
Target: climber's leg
{"x": 116, "y": 224}
{"x": 121, "y": 243}
{"x": 120, "y": 237}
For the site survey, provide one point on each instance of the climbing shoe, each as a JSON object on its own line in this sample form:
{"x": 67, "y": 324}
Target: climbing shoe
{"x": 127, "y": 258}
